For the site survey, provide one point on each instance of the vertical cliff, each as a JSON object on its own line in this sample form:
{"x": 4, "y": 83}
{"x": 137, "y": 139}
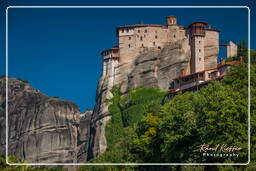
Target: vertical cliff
{"x": 83, "y": 136}
{"x": 41, "y": 128}
{"x": 97, "y": 140}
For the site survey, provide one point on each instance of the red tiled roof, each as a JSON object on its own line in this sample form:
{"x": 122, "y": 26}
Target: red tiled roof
{"x": 229, "y": 63}
{"x": 174, "y": 90}
{"x": 182, "y": 76}
{"x": 205, "y": 82}
{"x": 113, "y": 48}
{"x": 201, "y": 22}
{"x": 210, "y": 69}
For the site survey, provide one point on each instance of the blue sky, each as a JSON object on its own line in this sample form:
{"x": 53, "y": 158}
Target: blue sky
{"x": 58, "y": 50}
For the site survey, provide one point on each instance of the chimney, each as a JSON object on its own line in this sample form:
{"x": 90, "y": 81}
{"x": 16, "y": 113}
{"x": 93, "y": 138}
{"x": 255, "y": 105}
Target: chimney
{"x": 171, "y": 20}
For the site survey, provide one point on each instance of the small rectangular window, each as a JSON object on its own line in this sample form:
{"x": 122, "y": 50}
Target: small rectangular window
{"x": 130, "y": 38}
{"x": 154, "y": 43}
{"x": 155, "y": 37}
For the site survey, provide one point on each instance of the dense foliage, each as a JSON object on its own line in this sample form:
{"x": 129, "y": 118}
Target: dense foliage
{"x": 129, "y": 110}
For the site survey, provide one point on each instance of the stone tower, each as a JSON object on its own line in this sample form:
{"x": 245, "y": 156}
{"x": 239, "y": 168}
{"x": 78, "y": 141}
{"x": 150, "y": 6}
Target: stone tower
{"x": 171, "y": 20}
{"x": 110, "y": 61}
{"x": 175, "y": 32}
{"x": 231, "y": 50}
{"x": 197, "y": 33}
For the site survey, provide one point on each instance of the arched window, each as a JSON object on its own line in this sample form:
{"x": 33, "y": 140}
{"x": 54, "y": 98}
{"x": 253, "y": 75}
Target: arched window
{"x": 141, "y": 38}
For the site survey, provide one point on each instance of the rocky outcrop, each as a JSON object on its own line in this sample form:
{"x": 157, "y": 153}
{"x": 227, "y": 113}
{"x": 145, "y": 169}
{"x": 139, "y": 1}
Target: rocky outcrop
{"x": 152, "y": 68}
{"x": 40, "y": 128}
{"x": 83, "y": 136}
{"x": 97, "y": 141}
{"x": 157, "y": 68}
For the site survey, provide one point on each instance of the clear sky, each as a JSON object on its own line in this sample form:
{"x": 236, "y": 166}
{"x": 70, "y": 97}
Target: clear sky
{"x": 58, "y": 50}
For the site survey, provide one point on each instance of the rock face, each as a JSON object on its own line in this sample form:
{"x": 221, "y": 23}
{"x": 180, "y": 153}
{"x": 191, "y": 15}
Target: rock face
{"x": 152, "y": 68}
{"x": 83, "y": 136}
{"x": 41, "y": 129}
{"x": 97, "y": 140}
{"x": 156, "y": 68}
